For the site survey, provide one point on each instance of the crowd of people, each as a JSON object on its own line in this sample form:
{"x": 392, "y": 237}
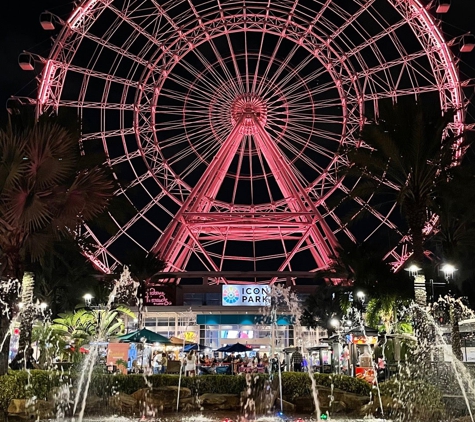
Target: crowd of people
{"x": 193, "y": 363}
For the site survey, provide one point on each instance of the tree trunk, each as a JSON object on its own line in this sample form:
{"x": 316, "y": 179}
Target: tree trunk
{"x": 420, "y": 291}
{"x": 454, "y": 321}
{"x": 28, "y": 311}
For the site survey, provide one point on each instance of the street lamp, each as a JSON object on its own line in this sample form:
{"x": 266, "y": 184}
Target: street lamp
{"x": 419, "y": 285}
{"x": 361, "y": 296}
{"x": 448, "y": 271}
{"x": 336, "y": 346}
{"x": 335, "y": 323}
{"x": 87, "y": 299}
{"x": 413, "y": 270}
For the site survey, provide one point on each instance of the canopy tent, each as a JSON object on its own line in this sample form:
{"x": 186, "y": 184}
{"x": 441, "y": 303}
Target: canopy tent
{"x": 144, "y": 336}
{"x": 195, "y": 346}
{"x": 177, "y": 341}
{"x": 235, "y": 348}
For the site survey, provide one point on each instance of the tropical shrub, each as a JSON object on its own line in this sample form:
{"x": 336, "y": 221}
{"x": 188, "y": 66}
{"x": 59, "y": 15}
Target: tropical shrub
{"x": 298, "y": 384}
{"x": 413, "y": 400}
{"x": 40, "y": 384}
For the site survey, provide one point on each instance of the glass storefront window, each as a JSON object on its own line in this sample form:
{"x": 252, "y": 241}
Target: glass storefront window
{"x": 190, "y": 299}
{"x": 213, "y": 299}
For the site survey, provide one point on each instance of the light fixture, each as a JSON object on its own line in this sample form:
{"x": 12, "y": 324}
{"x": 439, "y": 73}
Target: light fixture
{"x": 88, "y": 299}
{"x": 413, "y": 269}
{"x": 448, "y": 270}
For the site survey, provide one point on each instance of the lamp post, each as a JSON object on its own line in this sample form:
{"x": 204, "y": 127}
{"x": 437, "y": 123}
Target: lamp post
{"x": 87, "y": 299}
{"x": 336, "y": 352}
{"x": 420, "y": 293}
{"x": 455, "y": 314}
{"x": 448, "y": 270}
{"x": 361, "y": 296}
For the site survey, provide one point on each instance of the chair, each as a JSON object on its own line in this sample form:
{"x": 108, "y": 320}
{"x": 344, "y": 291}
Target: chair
{"x": 173, "y": 367}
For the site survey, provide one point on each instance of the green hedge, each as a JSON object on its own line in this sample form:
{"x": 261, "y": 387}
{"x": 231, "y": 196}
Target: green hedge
{"x": 297, "y": 384}
{"x": 40, "y": 384}
{"x": 420, "y": 401}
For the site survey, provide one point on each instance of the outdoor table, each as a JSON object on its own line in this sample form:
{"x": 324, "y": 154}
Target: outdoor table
{"x": 222, "y": 369}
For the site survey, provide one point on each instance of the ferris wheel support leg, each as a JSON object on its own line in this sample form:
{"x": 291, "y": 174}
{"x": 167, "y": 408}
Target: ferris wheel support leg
{"x": 169, "y": 246}
{"x": 321, "y": 247}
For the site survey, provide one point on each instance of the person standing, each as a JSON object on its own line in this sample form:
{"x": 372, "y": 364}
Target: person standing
{"x": 156, "y": 364}
{"x": 190, "y": 364}
{"x": 296, "y": 361}
{"x": 345, "y": 360}
{"x": 164, "y": 363}
{"x": 265, "y": 362}
{"x": 275, "y": 363}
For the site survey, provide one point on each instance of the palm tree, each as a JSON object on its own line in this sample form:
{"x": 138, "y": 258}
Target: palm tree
{"x": 63, "y": 275}
{"x": 357, "y": 267}
{"x": 45, "y": 195}
{"x": 326, "y": 303}
{"x": 49, "y": 343}
{"x": 84, "y": 324}
{"x": 406, "y": 154}
{"x": 455, "y": 236}
{"x": 144, "y": 269}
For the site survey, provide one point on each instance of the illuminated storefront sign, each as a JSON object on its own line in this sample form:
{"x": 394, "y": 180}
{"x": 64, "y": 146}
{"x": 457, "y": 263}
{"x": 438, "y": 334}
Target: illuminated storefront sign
{"x": 159, "y": 296}
{"x": 245, "y": 295}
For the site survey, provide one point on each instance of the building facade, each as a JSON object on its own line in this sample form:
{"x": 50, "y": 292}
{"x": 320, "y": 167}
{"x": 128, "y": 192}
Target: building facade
{"x": 217, "y": 315}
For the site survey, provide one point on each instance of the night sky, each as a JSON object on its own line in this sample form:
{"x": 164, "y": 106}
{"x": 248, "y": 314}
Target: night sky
{"x": 20, "y": 30}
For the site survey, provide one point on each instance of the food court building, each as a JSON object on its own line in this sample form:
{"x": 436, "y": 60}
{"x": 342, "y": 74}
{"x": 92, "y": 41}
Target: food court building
{"x": 219, "y": 314}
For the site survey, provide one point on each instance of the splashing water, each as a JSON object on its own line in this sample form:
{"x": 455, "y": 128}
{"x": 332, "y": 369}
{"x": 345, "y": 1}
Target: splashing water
{"x": 282, "y": 299}
{"x": 9, "y": 288}
{"x": 432, "y": 342}
{"x": 124, "y": 283}
{"x": 188, "y": 319}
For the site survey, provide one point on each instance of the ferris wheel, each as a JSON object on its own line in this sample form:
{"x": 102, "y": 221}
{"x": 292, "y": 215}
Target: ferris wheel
{"x": 228, "y": 119}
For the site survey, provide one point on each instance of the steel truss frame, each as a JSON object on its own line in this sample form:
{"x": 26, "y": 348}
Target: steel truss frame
{"x": 168, "y": 34}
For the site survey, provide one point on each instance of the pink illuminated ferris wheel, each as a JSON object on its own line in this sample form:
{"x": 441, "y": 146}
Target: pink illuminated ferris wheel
{"x": 227, "y": 120}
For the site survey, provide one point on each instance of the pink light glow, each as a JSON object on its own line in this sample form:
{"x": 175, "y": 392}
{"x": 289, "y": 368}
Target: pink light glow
{"x": 282, "y": 117}
{"x": 45, "y": 86}
{"x": 75, "y": 19}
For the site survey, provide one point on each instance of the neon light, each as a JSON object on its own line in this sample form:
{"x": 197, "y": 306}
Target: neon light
{"x": 45, "y": 86}
{"x": 79, "y": 13}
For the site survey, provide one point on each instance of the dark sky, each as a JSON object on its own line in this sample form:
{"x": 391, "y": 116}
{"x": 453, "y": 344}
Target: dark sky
{"x": 20, "y": 30}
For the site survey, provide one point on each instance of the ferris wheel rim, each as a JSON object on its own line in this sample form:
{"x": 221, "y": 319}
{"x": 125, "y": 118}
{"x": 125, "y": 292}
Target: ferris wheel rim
{"x": 91, "y": 9}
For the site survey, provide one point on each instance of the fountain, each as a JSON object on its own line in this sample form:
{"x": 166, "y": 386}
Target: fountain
{"x": 262, "y": 393}
{"x": 281, "y": 296}
{"x": 122, "y": 284}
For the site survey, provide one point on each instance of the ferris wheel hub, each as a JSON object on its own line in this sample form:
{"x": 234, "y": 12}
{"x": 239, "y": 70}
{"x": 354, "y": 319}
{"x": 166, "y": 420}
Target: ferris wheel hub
{"x": 249, "y": 110}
